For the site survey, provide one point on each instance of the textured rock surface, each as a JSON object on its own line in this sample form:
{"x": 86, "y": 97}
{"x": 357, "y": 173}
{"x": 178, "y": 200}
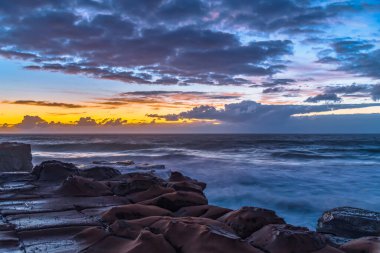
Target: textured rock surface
{"x": 15, "y": 157}
{"x": 363, "y": 245}
{"x": 350, "y": 222}
{"x": 248, "y": 220}
{"x": 60, "y": 208}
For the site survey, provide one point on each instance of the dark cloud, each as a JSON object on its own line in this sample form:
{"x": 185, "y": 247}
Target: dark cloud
{"x": 326, "y": 97}
{"x": 44, "y": 103}
{"x": 121, "y": 40}
{"x": 274, "y": 90}
{"x": 360, "y": 57}
{"x": 30, "y": 122}
{"x": 36, "y": 122}
{"x": 164, "y": 97}
{"x": 250, "y": 112}
{"x": 353, "y": 90}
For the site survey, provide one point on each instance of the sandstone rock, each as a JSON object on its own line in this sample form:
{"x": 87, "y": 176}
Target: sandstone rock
{"x": 283, "y": 238}
{"x": 349, "y": 222}
{"x": 147, "y": 166}
{"x": 176, "y": 176}
{"x": 204, "y": 211}
{"x": 369, "y": 244}
{"x": 176, "y": 200}
{"x": 15, "y": 157}
{"x": 145, "y": 242}
{"x": 134, "y": 182}
{"x": 185, "y": 186}
{"x": 125, "y": 163}
{"x": 54, "y": 171}
{"x": 80, "y": 186}
{"x": 151, "y": 193}
{"x": 132, "y": 212}
{"x": 100, "y": 173}
{"x": 189, "y": 235}
{"x": 248, "y": 220}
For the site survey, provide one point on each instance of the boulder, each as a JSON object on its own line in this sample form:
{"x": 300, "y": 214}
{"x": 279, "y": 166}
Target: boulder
{"x": 152, "y": 192}
{"x": 147, "y": 166}
{"x": 284, "y": 238}
{"x": 15, "y": 157}
{"x": 187, "y": 234}
{"x": 100, "y": 173}
{"x": 54, "y": 170}
{"x": 248, "y": 220}
{"x": 176, "y": 176}
{"x": 132, "y": 212}
{"x": 369, "y": 244}
{"x": 176, "y": 200}
{"x": 349, "y": 222}
{"x": 134, "y": 182}
{"x": 185, "y": 186}
{"x": 204, "y": 211}
{"x": 80, "y": 186}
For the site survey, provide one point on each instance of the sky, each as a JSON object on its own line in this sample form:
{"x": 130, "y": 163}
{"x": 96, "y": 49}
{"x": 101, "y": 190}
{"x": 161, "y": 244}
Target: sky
{"x": 189, "y": 66}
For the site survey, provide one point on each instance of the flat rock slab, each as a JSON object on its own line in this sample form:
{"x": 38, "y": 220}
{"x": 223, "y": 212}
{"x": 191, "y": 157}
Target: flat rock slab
{"x": 58, "y": 204}
{"x": 51, "y": 220}
{"x": 53, "y": 240}
{"x": 349, "y": 222}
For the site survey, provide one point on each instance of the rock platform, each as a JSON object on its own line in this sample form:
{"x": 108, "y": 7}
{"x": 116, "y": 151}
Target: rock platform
{"x": 58, "y": 207}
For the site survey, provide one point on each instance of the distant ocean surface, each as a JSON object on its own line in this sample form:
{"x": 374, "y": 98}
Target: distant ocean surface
{"x": 298, "y": 176}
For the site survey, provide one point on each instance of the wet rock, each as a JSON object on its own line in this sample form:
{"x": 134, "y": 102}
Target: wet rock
{"x": 100, "y": 173}
{"x": 147, "y": 166}
{"x": 134, "y": 182}
{"x": 15, "y": 157}
{"x": 283, "y": 238}
{"x": 188, "y": 235}
{"x": 185, "y": 186}
{"x": 52, "y": 240}
{"x": 204, "y": 211}
{"x": 151, "y": 193}
{"x": 80, "y": 186}
{"x": 369, "y": 244}
{"x": 54, "y": 171}
{"x": 125, "y": 163}
{"x": 39, "y": 205}
{"x": 248, "y": 220}
{"x": 349, "y": 222}
{"x": 176, "y": 200}
{"x": 176, "y": 176}
{"x": 145, "y": 242}
{"x": 34, "y": 221}
{"x": 132, "y": 212}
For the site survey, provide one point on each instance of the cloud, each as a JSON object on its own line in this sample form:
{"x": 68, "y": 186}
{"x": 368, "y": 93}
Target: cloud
{"x": 118, "y": 40}
{"x": 327, "y": 97}
{"x": 251, "y": 111}
{"x": 164, "y": 98}
{"x": 353, "y": 90}
{"x": 250, "y": 116}
{"x": 43, "y": 103}
{"x": 32, "y": 122}
{"x": 36, "y": 122}
{"x": 360, "y": 57}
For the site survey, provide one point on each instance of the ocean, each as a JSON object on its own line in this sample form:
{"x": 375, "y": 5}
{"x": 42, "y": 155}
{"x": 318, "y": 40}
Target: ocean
{"x": 298, "y": 176}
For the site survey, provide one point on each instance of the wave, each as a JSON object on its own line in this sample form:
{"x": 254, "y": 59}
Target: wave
{"x": 91, "y": 147}
{"x": 302, "y": 155}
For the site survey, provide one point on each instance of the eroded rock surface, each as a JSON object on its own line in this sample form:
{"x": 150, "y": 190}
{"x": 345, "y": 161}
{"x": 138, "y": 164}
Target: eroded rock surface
{"x": 350, "y": 222}
{"x": 61, "y": 208}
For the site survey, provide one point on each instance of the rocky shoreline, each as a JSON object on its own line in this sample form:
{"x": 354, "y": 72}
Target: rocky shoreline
{"x": 58, "y": 207}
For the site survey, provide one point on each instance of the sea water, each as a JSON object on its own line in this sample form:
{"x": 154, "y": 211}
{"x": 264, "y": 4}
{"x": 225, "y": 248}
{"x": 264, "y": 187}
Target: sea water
{"x": 298, "y": 176}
